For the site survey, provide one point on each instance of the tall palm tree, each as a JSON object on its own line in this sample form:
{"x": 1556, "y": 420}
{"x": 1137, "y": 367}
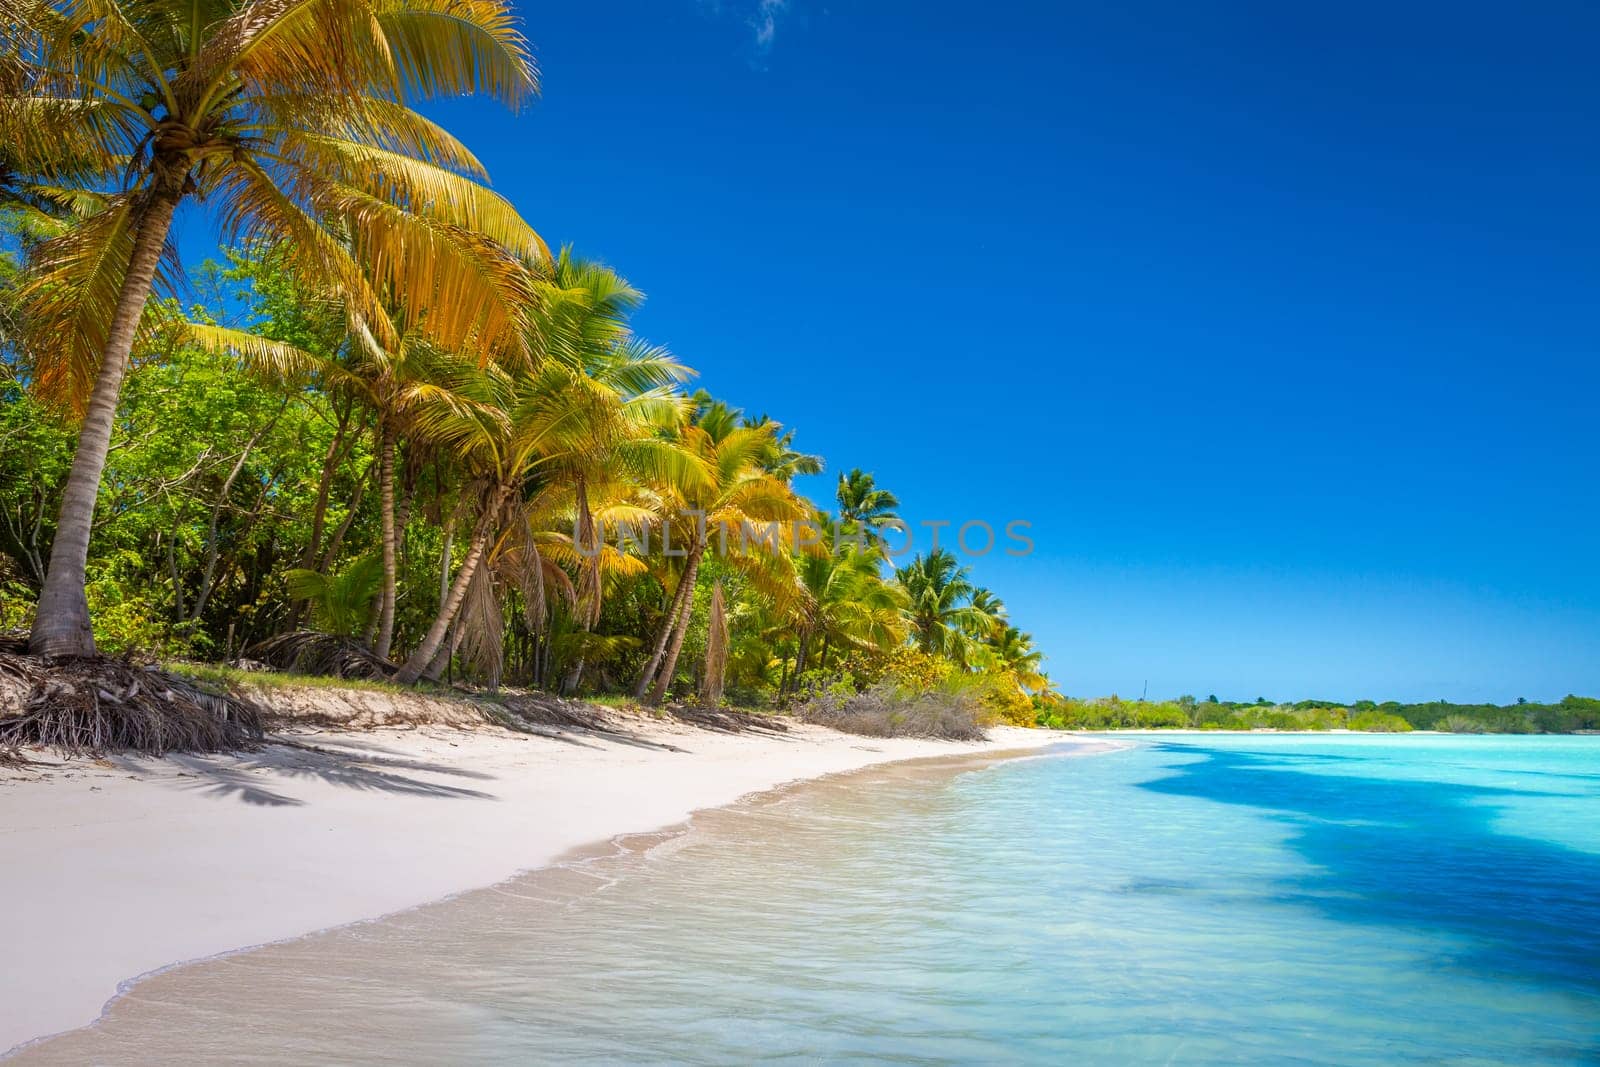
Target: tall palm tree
{"x": 524, "y": 433}
{"x": 596, "y": 469}
{"x": 862, "y": 503}
{"x": 388, "y": 379}
{"x": 738, "y": 496}
{"x": 1011, "y": 652}
{"x": 622, "y": 392}
{"x": 942, "y": 616}
{"x": 290, "y": 120}
{"x": 847, "y": 604}
{"x": 987, "y": 621}
{"x": 781, "y": 458}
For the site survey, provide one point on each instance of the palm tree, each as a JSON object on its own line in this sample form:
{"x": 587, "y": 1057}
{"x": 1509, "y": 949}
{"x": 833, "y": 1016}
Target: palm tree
{"x": 866, "y": 506}
{"x": 632, "y": 395}
{"x": 525, "y": 434}
{"x": 738, "y": 496}
{"x": 388, "y": 380}
{"x": 290, "y": 119}
{"x": 781, "y": 459}
{"x": 1010, "y": 653}
{"x": 847, "y": 604}
{"x": 987, "y": 621}
{"x": 471, "y": 412}
{"x": 941, "y": 611}
{"x": 596, "y": 468}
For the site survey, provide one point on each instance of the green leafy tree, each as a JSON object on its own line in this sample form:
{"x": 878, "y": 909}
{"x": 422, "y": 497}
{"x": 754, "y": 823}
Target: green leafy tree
{"x": 290, "y": 120}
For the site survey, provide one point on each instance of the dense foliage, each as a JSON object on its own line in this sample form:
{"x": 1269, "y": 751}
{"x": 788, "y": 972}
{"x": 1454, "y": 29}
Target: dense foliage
{"x": 245, "y": 500}
{"x": 1572, "y": 714}
{"x": 392, "y": 433}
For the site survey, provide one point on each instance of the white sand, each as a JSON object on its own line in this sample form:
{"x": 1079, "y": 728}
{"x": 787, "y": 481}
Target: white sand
{"x": 111, "y": 870}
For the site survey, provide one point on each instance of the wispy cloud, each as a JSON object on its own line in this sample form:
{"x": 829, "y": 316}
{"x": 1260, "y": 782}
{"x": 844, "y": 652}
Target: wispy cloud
{"x": 765, "y": 22}
{"x": 763, "y": 17}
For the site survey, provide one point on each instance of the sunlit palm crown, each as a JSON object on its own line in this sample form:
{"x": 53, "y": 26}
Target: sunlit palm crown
{"x": 849, "y": 600}
{"x": 288, "y": 119}
{"x": 861, "y": 501}
{"x": 1012, "y": 651}
{"x": 944, "y": 617}
{"x": 589, "y": 402}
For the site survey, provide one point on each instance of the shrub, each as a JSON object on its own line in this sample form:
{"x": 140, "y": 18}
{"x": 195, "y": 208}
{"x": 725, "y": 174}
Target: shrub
{"x": 1379, "y": 722}
{"x": 1002, "y": 696}
{"x": 16, "y": 605}
{"x": 1461, "y": 724}
{"x": 953, "y": 713}
{"x": 126, "y": 621}
{"x": 916, "y": 670}
{"x": 1161, "y": 717}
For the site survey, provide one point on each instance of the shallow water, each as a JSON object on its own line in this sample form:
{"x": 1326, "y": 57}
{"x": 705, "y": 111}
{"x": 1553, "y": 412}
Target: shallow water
{"x": 1191, "y": 899}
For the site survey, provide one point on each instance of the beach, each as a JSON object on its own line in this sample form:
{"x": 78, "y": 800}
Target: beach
{"x": 119, "y": 867}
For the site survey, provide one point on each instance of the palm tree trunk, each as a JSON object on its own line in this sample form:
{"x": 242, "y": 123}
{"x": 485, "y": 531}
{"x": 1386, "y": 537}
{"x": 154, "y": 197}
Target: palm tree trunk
{"x": 574, "y": 678}
{"x": 61, "y": 624}
{"x": 802, "y": 656}
{"x": 714, "y": 678}
{"x": 386, "y": 522}
{"x": 447, "y": 651}
{"x": 444, "y": 558}
{"x": 668, "y": 625}
{"x": 336, "y": 542}
{"x": 423, "y": 654}
{"x": 670, "y": 664}
{"x": 319, "y": 510}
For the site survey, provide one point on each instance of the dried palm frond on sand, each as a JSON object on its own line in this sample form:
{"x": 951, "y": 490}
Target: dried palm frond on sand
{"x": 726, "y": 721}
{"x": 330, "y": 655}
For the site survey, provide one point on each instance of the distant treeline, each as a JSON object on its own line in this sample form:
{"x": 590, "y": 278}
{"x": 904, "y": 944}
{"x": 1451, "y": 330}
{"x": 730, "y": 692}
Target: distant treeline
{"x": 1572, "y": 714}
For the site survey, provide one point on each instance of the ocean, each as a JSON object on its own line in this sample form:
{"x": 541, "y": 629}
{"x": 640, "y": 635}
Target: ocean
{"x": 1188, "y": 899}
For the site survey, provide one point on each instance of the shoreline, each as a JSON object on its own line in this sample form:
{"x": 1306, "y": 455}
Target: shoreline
{"x": 122, "y": 873}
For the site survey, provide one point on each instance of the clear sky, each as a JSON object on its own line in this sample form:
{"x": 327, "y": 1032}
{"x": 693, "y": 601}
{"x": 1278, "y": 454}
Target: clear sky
{"x": 1279, "y": 322}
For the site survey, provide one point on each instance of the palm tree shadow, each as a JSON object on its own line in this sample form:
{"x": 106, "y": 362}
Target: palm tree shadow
{"x": 1420, "y": 854}
{"x": 350, "y": 763}
{"x": 377, "y": 756}
{"x": 252, "y": 777}
{"x": 583, "y": 738}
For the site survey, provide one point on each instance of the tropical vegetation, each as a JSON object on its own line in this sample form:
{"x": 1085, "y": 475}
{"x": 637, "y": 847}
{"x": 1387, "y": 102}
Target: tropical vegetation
{"x": 389, "y": 433}
{"x": 1569, "y": 715}
{"x": 388, "y": 429}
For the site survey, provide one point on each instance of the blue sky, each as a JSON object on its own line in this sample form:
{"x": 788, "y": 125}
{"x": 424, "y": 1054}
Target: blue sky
{"x": 1278, "y": 322}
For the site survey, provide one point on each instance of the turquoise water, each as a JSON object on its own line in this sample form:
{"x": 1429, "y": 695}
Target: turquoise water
{"x": 1193, "y": 899}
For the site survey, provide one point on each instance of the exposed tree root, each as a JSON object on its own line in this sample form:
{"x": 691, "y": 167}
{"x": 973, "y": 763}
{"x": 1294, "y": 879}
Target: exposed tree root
{"x": 91, "y": 705}
{"x": 309, "y": 652}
